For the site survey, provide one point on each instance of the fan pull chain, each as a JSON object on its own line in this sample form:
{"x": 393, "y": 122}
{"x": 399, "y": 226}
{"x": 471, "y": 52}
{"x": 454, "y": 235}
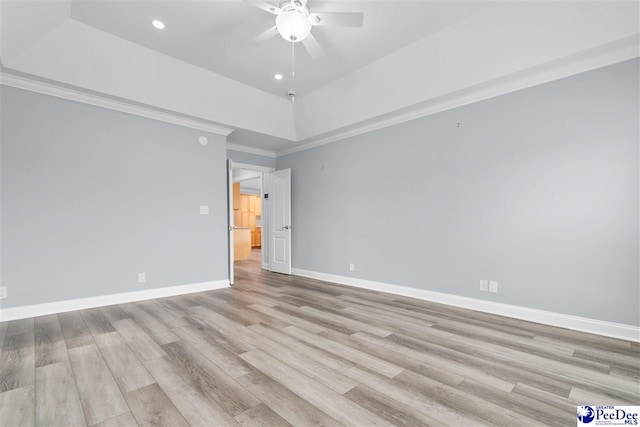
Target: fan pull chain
{"x": 292, "y": 93}
{"x": 293, "y": 57}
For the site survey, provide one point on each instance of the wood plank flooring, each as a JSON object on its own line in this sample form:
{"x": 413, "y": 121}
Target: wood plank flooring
{"x": 279, "y": 350}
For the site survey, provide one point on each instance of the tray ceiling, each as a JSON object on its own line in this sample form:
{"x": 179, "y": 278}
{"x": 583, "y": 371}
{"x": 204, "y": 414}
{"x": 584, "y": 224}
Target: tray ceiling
{"x": 409, "y": 59}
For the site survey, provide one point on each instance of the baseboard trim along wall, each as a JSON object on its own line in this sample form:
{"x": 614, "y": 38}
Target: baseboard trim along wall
{"x": 23, "y": 312}
{"x": 599, "y": 327}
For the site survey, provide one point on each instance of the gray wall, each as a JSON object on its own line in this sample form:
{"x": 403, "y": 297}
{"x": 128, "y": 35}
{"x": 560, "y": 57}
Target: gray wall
{"x": 91, "y": 197}
{"x": 251, "y": 159}
{"x": 537, "y": 189}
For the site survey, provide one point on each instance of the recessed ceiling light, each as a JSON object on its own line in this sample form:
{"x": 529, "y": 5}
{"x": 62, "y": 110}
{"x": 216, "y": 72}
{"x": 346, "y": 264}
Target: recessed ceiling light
{"x": 277, "y": 76}
{"x": 158, "y": 24}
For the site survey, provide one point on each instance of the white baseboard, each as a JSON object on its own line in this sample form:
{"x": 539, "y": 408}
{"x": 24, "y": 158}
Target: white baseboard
{"x": 26, "y": 311}
{"x": 599, "y": 327}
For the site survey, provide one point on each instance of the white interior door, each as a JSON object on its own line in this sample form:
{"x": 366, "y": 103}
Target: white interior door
{"x": 230, "y": 205}
{"x": 280, "y": 222}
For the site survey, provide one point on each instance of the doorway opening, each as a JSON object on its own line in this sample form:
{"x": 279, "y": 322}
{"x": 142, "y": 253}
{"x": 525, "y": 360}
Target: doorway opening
{"x": 247, "y": 220}
{"x": 259, "y": 220}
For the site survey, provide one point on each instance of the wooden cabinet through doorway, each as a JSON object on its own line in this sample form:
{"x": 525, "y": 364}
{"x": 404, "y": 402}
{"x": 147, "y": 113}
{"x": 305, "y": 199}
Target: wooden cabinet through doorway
{"x": 247, "y": 213}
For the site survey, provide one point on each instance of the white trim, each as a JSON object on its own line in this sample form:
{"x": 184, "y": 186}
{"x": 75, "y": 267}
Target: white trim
{"x": 623, "y": 50}
{"x": 230, "y": 222}
{"x": 26, "y": 311}
{"x": 32, "y": 85}
{"x": 251, "y": 150}
{"x": 593, "y": 326}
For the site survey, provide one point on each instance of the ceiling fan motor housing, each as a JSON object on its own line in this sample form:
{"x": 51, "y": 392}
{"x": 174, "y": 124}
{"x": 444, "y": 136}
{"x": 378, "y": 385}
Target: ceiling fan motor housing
{"x": 296, "y": 4}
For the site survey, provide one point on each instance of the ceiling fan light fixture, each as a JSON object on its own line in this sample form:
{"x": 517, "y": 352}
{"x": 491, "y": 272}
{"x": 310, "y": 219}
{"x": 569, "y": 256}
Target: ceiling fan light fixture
{"x": 293, "y": 25}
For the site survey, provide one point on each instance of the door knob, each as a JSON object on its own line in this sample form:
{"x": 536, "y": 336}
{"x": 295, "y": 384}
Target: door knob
{"x": 286, "y": 227}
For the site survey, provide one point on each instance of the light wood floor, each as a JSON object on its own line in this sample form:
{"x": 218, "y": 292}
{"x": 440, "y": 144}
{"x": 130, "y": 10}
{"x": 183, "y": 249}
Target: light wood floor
{"x": 278, "y": 350}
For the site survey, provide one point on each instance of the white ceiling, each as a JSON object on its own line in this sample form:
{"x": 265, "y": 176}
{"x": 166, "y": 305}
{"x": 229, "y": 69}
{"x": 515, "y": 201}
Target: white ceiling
{"x": 240, "y": 175}
{"x": 217, "y": 36}
{"x": 410, "y": 58}
{"x": 250, "y": 181}
{"x": 251, "y": 186}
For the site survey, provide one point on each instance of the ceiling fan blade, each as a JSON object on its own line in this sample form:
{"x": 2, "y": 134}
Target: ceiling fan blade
{"x": 313, "y": 47}
{"x": 266, "y": 35}
{"x": 339, "y": 19}
{"x": 265, "y": 6}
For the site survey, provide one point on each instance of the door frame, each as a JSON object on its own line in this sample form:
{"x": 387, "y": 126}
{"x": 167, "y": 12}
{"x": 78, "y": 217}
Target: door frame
{"x": 254, "y": 168}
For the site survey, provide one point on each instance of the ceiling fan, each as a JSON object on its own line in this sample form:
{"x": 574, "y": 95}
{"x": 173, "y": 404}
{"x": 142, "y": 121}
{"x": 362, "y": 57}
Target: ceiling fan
{"x": 294, "y": 22}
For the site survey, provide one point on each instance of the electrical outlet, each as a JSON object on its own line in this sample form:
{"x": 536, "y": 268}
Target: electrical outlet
{"x": 493, "y": 287}
{"x": 142, "y": 277}
{"x": 352, "y": 267}
{"x": 204, "y": 210}
{"x": 484, "y": 285}
{"x": 3, "y": 292}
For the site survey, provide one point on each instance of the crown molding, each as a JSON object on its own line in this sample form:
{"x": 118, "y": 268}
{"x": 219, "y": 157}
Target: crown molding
{"x": 33, "y": 85}
{"x": 602, "y": 56}
{"x": 251, "y": 150}
{"x": 620, "y": 51}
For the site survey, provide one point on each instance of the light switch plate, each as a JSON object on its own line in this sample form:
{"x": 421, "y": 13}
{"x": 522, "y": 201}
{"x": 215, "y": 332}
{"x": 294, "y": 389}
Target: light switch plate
{"x": 204, "y": 210}
{"x": 493, "y": 287}
{"x": 484, "y": 285}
